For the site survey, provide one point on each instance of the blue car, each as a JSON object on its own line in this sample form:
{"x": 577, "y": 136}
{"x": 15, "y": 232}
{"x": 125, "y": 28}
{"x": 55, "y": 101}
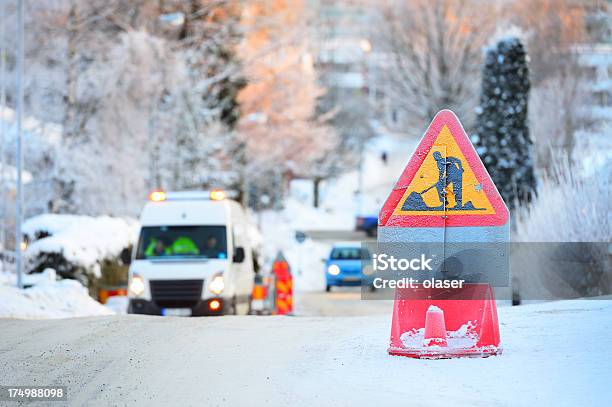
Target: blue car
{"x": 367, "y": 223}
{"x": 343, "y": 267}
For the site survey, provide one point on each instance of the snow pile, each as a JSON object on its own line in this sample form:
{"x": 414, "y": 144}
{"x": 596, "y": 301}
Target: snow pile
{"x": 46, "y": 298}
{"x": 118, "y": 303}
{"x": 304, "y": 259}
{"x": 463, "y": 338}
{"x": 433, "y": 308}
{"x": 82, "y": 240}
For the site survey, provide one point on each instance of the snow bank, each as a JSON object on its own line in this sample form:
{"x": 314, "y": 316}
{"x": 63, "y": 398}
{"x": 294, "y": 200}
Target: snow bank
{"x": 119, "y": 304}
{"x": 279, "y": 229}
{"x": 46, "y": 298}
{"x": 462, "y": 338}
{"x": 83, "y": 241}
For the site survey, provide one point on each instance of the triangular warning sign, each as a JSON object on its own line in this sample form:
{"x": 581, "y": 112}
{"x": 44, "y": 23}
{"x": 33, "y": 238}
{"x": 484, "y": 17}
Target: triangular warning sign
{"x": 444, "y": 184}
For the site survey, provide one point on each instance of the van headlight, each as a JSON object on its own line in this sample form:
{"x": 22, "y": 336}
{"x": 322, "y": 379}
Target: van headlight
{"x": 217, "y": 284}
{"x": 334, "y": 270}
{"x": 137, "y": 285}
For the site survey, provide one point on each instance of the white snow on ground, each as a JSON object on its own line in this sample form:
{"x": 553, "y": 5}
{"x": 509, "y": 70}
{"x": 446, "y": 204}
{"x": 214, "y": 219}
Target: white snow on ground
{"x": 555, "y": 354}
{"x": 118, "y": 303}
{"x": 463, "y": 337}
{"x": 46, "y": 298}
{"x": 83, "y": 240}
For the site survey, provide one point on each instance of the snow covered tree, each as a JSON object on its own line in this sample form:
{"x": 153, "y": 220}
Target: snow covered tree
{"x": 148, "y": 94}
{"x": 279, "y": 127}
{"x": 433, "y": 50}
{"x": 209, "y": 34}
{"x": 145, "y": 94}
{"x": 570, "y": 257}
{"x": 502, "y": 134}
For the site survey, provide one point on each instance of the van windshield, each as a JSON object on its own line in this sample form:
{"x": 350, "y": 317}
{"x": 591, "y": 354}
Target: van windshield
{"x": 207, "y": 242}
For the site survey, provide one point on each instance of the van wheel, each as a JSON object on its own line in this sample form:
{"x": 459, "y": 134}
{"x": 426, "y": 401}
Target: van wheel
{"x": 327, "y": 288}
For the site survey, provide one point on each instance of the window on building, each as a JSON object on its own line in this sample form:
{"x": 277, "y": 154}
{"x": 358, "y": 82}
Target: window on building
{"x": 602, "y": 98}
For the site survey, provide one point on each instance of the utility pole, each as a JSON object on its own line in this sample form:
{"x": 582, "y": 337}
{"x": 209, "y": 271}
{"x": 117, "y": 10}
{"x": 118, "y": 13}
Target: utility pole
{"x": 366, "y": 47}
{"x": 3, "y": 126}
{"x": 19, "y": 152}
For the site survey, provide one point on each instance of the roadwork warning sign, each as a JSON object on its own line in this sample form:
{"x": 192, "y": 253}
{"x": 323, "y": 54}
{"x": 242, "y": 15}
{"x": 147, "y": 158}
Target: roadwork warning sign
{"x": 445, "y": 184}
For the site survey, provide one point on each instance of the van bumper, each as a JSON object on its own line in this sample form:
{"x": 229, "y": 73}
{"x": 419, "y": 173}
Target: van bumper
{"x": 202, "y": 308}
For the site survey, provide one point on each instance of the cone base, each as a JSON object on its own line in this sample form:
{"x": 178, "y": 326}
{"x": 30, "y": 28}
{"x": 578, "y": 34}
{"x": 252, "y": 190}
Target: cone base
{"x": 445, "y": 353}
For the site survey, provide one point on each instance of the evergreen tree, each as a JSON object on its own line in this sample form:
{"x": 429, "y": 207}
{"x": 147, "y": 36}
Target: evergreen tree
{"x": 502, "y": 135}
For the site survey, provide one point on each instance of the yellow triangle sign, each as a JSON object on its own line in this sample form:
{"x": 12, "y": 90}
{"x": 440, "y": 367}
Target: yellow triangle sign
{"x": 462, "y": 193}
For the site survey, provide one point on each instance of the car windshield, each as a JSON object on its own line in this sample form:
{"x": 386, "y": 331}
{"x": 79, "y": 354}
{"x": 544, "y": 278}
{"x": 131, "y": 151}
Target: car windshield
{"x": 348, "y": 253}
{"x": 182, "y": 241}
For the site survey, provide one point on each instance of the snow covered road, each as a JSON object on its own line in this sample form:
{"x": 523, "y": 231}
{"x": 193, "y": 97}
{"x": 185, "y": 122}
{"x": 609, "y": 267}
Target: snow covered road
{"x": 342, "y": 301}
{"x": 554, "y": 354}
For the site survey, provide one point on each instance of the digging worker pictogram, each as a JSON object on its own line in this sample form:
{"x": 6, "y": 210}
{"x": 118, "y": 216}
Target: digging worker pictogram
{"x": 450, "y": 171}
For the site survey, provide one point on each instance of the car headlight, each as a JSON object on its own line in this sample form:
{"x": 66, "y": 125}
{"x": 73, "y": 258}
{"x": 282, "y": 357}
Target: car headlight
{"x": 217, "y": 284}
{"x": 333, "y": 269}
{"x": 137, "y": 285}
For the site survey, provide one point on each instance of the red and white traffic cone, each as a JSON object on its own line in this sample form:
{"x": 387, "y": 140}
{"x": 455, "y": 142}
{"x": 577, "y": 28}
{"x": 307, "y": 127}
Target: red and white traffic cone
{"x": 435, "y": 329}
{"x": 461, "y": 323}
{"x": 258, "y": 296}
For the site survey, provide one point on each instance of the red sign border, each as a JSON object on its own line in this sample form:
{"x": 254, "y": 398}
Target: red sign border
{"x": 386, "y": 218}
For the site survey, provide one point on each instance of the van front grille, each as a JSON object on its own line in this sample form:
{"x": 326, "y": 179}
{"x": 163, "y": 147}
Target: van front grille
{"x": 176, "y": 293}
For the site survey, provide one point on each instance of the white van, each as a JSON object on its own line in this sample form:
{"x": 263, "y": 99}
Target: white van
{"x": 193, "y": 257}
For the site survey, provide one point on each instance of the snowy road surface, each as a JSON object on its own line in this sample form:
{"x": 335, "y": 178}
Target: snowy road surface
{"x": 555, "y": 354}
{"x": 342, "y": 301}
{"x": 337, "y": 235}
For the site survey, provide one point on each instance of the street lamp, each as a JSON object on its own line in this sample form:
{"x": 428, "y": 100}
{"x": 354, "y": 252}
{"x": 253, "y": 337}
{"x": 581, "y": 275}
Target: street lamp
{"x": 366, "y": 47}
{"x": 19, "y": 152}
